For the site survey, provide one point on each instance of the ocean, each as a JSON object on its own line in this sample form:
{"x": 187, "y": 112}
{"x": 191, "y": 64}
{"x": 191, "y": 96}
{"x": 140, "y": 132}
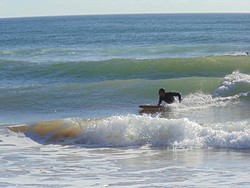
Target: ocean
{"x": 71, "y": 86}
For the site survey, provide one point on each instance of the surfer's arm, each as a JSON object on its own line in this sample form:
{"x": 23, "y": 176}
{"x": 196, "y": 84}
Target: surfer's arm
{"x": 177, "y": 95}
{"x": 160, "y": 101}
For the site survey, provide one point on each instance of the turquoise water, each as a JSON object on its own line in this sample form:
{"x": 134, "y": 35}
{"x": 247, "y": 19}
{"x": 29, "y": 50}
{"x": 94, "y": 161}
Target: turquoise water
{"x": 70, "y": 88}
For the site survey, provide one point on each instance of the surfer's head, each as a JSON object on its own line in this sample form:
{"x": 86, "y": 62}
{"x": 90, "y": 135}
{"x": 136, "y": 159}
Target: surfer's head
{"x": 162, "y": 92}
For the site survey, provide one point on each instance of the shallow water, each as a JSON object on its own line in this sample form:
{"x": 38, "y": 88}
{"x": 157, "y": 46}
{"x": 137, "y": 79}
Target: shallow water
{"x": 76, "y": 166}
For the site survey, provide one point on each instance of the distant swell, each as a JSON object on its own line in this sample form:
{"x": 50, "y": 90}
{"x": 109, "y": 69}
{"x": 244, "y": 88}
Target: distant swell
{"x": 86, "y": 71}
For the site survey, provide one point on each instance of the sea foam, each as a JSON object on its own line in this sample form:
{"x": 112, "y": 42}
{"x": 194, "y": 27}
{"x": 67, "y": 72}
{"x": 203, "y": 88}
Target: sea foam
{"x": 234, "y": 83}
{"x": 138, "y": 131}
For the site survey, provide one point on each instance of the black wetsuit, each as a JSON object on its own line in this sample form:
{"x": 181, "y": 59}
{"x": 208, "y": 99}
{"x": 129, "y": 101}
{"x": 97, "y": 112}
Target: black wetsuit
{"x": 169, "y": 97}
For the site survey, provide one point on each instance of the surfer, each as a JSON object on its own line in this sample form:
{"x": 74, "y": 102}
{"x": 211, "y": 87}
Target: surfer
{"x": 168, "y": 97}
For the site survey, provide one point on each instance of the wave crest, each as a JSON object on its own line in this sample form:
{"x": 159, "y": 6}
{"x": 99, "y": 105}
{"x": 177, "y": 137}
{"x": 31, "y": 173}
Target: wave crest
{"x": 234, "y": 84}
{"x": 134, "y": 130}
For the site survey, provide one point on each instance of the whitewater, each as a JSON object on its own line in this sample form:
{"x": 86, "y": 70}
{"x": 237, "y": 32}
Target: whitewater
{"x": 70, "y": 90}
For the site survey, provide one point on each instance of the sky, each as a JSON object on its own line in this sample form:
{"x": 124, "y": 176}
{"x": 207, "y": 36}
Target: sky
{"x": 30, "y": 8}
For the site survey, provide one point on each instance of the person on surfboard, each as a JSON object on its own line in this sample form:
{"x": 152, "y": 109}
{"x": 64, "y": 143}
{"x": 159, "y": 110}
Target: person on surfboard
{"x": 168, "y": 97}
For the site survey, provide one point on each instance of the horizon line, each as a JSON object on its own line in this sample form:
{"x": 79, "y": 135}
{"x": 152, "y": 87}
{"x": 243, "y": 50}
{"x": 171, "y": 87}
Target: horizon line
{"x": 106, "y": 14}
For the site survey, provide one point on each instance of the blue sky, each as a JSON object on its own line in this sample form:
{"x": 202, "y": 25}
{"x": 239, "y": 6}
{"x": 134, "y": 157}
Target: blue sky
{"x": 23, "y": 8}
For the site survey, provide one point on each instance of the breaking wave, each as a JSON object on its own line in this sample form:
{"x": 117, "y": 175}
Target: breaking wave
{"x": 137, "y": 131}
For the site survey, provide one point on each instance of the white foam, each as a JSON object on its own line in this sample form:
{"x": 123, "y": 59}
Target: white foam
{"x": 237, "y": 82}
{"x": 227, "y": 135}
{"x": 201, "y": 101}
{"x": 133, "y": 130}
{"x": 234, "y": 87}
{"x": 9, "y": 139}
{"x": 145, "y": 130}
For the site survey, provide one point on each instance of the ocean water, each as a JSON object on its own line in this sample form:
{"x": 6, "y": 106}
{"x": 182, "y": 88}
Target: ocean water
{"x": 70, "y": 90}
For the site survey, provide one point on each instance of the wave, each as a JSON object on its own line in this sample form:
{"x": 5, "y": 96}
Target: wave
{"x": 79, "y": 89}
{"x": 63, "y": 54}
{"x": 137, "y": 131}
{"x": 198, "y": 92}
{"x": 150, "y": 69}
{"x": 201, "y": 93}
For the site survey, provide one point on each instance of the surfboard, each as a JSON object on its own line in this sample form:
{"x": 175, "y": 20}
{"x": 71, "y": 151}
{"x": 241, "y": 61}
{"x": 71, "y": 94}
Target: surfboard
{"x": 151, "y": 107}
